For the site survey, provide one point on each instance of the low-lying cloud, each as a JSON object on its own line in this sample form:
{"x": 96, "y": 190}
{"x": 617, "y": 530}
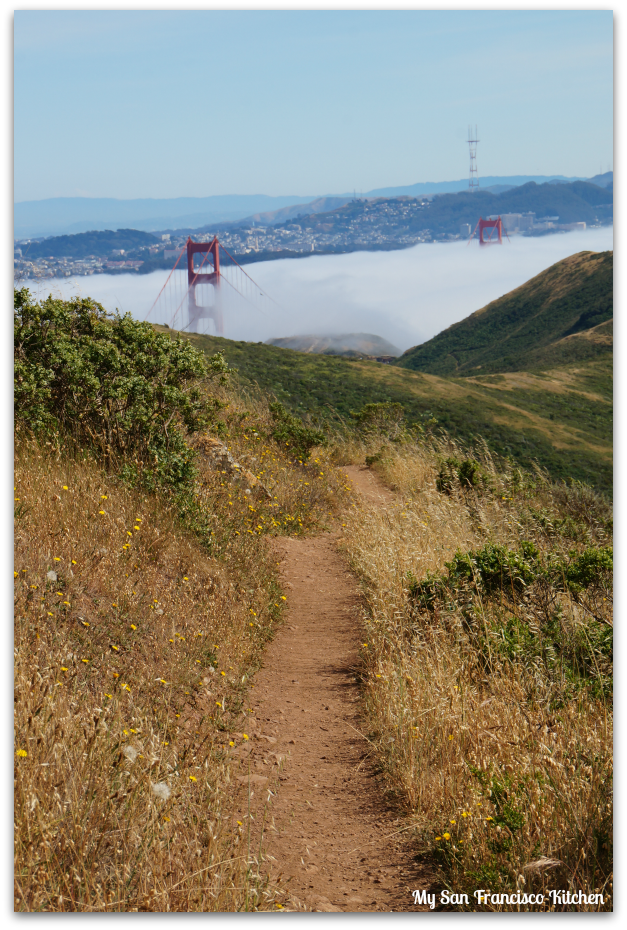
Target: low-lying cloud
{"x": 404, "y": 296}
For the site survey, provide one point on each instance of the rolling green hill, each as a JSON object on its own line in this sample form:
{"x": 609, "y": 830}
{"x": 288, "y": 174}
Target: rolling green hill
{"x": 559, "y": 317}
{"x": 531, "y": 374}
{"x": 561, "y": 418}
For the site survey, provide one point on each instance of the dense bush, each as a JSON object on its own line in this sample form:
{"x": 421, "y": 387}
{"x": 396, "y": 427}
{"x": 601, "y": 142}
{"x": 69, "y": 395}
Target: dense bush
{"x": 496, "y": 581}
{"x": 111, "y": 383}
{"x": 465, "y": 472}
{"x": 497, "y": 569}
{"x": 387, "y": 419}
{"x": 292, "y": 432}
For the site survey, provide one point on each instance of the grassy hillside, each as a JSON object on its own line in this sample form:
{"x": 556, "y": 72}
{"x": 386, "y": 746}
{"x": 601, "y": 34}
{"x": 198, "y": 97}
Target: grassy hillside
{"x": 145, "y": 592}
{"x": 146, "y": 588}
{"x": 488, "y": 670}
{"x": 562, "y": 417}
{"x": 528, "y": 328}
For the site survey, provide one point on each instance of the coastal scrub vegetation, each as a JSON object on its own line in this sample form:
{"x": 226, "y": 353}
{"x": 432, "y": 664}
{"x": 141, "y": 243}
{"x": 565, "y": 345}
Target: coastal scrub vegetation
{"x": 487, "y": 664}
{"x": 145, "y": 592}
{"x": 560, "y": 417}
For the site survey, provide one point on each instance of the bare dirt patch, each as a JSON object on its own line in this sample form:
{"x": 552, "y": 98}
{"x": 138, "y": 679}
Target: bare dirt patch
{"x": 328, "y": 832}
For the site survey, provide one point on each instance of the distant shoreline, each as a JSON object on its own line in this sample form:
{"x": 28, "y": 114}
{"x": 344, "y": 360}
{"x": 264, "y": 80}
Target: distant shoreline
{"x": 245, "y": 259}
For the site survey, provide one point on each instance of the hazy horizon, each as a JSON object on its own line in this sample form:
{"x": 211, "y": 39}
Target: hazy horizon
{"x": 405, "y": 296}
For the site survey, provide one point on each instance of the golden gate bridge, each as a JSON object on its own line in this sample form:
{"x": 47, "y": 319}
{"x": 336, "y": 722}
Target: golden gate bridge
{"x": 194, "y": 298}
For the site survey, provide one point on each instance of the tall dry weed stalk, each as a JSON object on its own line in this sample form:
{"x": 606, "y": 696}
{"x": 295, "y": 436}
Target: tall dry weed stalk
{"x": 490, "y": 708}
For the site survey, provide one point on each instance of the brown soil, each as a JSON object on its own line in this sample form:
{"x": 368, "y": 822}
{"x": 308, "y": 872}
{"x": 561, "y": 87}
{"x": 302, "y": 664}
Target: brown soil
{"x": 328, "y": 833}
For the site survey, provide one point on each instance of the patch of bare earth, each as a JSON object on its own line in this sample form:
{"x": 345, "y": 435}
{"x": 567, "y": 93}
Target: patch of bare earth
{"x": 319, "y": 816}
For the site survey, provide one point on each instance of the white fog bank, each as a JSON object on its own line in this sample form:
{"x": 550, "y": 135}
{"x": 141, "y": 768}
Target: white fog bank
{"x": 405, "y": 296}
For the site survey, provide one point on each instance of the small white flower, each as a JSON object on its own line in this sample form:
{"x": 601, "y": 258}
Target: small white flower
{"x": 130, "y": 752}
{"x": 52, "y": 576}
{"x": 161, "y": 790}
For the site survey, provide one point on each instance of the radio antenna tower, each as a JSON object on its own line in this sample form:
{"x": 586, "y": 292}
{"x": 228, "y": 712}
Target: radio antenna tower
{"x": 473, "y": 182}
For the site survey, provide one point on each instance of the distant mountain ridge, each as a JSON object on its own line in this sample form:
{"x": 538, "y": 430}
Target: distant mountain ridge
{"x": 67, "y": 215}
{"x": 558, "y": 317}
{"x": 454, "y": 187}
{"x": 345, "y": 344}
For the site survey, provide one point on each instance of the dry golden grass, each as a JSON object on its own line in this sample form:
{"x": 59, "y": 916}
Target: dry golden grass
{"x": 131, "y": 672}
{"x": 500, "y": 758}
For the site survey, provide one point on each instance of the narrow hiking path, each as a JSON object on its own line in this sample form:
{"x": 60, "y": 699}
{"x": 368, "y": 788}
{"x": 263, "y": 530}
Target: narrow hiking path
{"x": 327, "y": 830}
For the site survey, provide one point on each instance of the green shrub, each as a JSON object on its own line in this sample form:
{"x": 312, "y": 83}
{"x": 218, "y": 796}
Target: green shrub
{"x": 426, "y": 592}
{"x": 468, "y": 473}
{"x": 592, "y": 568}
{"x": 495, "y": 567}
{"x": 544, "y": 634}
{"x": 387, "y": 419}
{"x": 112, "y": 384}
{"x": 292, "y": 432}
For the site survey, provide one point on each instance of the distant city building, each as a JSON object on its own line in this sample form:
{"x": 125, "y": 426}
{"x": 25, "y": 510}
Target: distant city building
{"x": 511, "y": 221}
{"x": 465, "y": 230}
{"x": 516, "y": 222}
{"x": 165, "y": 237}
{"x": 569, "y": 227}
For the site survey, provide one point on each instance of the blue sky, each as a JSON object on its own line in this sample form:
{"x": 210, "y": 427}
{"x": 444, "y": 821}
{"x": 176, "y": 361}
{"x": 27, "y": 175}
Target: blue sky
{"x": 121, "y": 104}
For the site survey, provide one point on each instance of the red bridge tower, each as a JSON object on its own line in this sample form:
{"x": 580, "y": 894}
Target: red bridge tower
{"x": 496, "y": 224}
{"x": 196, "y": 278}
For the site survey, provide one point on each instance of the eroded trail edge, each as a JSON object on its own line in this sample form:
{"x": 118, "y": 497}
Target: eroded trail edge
{"x": 327, "y": 831}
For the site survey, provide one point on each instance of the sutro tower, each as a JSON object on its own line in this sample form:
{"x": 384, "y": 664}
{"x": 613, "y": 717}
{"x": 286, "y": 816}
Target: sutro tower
{"x": 473, "y": 181}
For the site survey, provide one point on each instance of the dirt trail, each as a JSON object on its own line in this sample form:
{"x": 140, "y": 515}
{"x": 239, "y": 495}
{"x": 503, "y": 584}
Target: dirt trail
{"x": 327, "y": 829}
